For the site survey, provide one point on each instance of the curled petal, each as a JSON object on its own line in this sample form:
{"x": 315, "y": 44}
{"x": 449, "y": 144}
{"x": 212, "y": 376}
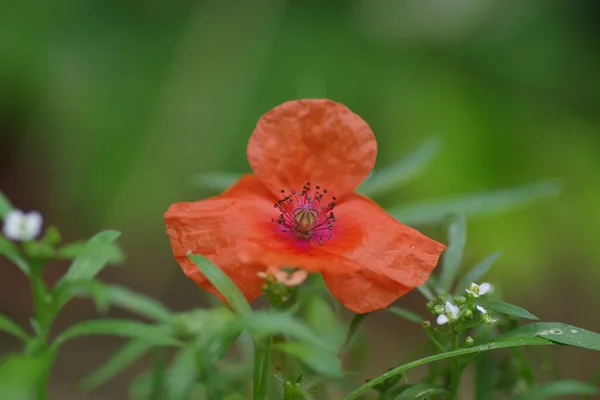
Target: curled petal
{"x": 320, "y": 141}
{"x": 213, "y": 227}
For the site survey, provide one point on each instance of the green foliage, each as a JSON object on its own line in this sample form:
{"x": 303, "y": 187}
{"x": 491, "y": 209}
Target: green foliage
{"x": 423, "y": 391}
{"x": 407, "y": 315}
{"x": 121, "y": 359}
{"x": 5, "y": 206}
{"x": 475, "y": 204}
{"x": 478, "y": 272}
{"x": 506, "y": 309}
{"x": 9, "y": 326}
{"x": 300, "y": 336}
{"x": 124, "y": 328}
{"x": 452, "y": 256}
{"x": 558, "y": 388}
{"x": 400, "y": 172}
{"x": 223, "y": 284}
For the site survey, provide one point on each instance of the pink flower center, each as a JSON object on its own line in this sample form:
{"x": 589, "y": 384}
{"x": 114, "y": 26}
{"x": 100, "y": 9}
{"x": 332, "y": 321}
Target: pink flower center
{"x": 303, "y": 214}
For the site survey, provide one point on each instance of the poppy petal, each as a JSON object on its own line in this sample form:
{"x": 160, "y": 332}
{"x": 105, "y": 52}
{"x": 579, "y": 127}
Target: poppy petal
{"x": 212, "y": 227}
{"x": 391, "y": 258}
{"x": 316, "y": 140}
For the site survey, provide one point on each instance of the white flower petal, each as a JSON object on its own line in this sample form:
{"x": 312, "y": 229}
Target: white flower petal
{"x": 473, "y": 293}
{"x": 485, "y": 288}
{"x": 481, "y": 310}
{"x": 452, "y": 310}
{"x": 442, "y": 319}
{"x": 32, "y": 225}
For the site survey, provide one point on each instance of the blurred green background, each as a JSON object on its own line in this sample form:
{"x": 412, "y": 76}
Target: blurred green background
{"x": 108, "y": 109}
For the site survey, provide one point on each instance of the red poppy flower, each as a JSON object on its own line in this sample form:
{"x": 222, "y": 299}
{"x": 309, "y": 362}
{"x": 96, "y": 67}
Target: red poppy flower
{"x": 299, "y": 210}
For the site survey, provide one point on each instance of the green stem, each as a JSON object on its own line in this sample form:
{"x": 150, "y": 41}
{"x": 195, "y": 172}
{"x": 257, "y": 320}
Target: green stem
{"x": 436, "y": 357}
{"x": 262, "y": 358}
{"x": 40, "y": 300}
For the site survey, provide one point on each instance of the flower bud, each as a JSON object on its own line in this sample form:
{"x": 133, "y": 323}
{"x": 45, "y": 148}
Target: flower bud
{"x": 438, "y": 309}
{"x": 466, "y": 314}
{"x": 469, "y": 341}
{"x": 488, "y": 320}
{"x": 430, "y": 305}
{"x": 426, "y": 324}
{"x": 460, "y": 300}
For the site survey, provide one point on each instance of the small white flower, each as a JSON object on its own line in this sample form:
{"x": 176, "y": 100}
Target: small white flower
{"x": 452, "y": 310}
{"x": 22, "y": 226}
{"x": 481, "y": 310}
{"x": 451, "y": 313}
{"x": 479, "y": 290}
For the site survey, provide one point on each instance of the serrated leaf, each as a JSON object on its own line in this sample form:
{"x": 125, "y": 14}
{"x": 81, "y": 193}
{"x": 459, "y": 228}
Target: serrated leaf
{"x": 137, "y": 303}
{"x": 5, "y": 206}
{"x": 401, "y": 171}
{"x": 452, "y": 256}
{"x": 557, "y": 333}
{"x": 423, "y": 391}
{"x": 558, "y": 388}
{"x": 474, "y": 204}
{"x": 10, "y": 251}
{"x": 326, "y": 363}
{"x": 93, "y": 257}
{"x": 182, "y": 374}
{"x": 217, "y": 181}
{"x": 506, "y": 309}
{"x": 117, "y": 327}
{"x": 478, "y": 271}
{"x": 121, "y": 359}
{"x": 9, "y": 326}
{"x": 223, "y": 284}
{"x": 407, "y": 315}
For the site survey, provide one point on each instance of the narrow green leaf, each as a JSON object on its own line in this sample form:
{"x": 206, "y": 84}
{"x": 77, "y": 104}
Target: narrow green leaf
{"x": 498, "y": 344}
{"x": 5, "y": 206}
{"x": 401, "y": 171}
{"x": 558, "y": 388}
{"x": 124, "y": 328}
{"x": 557, "y": 333}
{"x": 486, "y": 372}
{"x": 321, "y": 318}
{"x": 478, "y": 271}
{"x": 94, "y": 249}
{"x": 426, "y": 292}
{"x": 141, "y": 387}
{"x": 265, "y": 324}
{"x": 182, "y": 374}
{"x": 138, "y": 303}
{"x": 10, "y": 251}
{"x": 475, "y": 204}
{"x": 325, "y": 363}
{"x": 93, "y": 257}
{"x": 9, "y": 326}
{"x": 223, "y": 284}
{"x": 423, "y": 391}
{"x": 218, "y": 181}
{"x": 70, "y": 289}
{"x": 407, "y": 315}
{"x": 506, "y": 309}
{"x": 121, "y": 359}
{"x": 158, "y": 375}
{"x": 452, "y": 256}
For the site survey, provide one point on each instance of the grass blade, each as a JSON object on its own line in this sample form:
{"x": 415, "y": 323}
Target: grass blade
{"x": 478, "y": 272}
{"x": 401, "y": 171}
{"x": 452, "y": 256}
{"x": 474, "y": 204}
